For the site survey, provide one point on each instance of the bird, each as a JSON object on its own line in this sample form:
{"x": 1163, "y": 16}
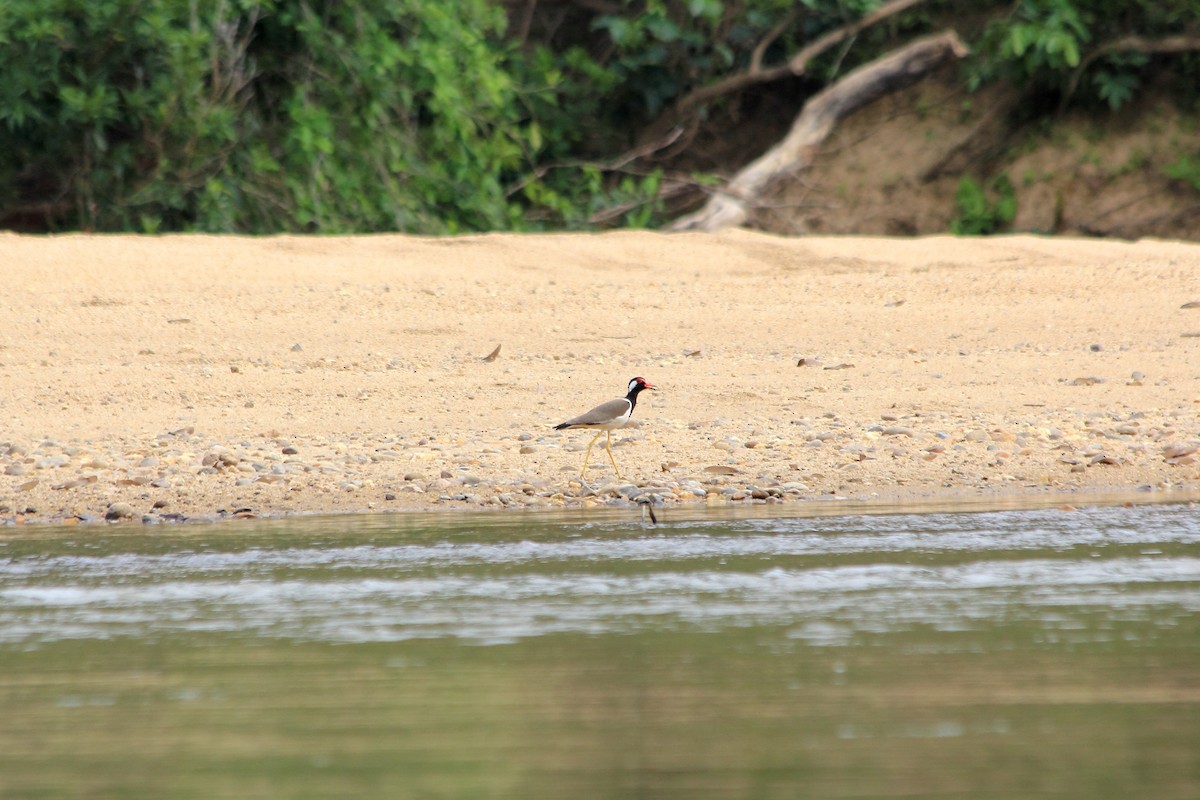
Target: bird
{"x": 606, "y": 418}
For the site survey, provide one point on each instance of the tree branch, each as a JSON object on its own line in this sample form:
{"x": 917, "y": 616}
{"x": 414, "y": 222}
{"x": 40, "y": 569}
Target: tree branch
{"x": 1134, "y": 43}
{"x": 756, "y": 73}
{"x": 798, "y": 63}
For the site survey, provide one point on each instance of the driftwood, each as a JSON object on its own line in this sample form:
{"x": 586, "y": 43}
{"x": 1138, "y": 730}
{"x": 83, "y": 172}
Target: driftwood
{"x": 730, "y": 205}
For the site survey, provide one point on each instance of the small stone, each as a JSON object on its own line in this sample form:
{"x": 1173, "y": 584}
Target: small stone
{"x": 897, "y": 430}
{"x": 527, "y": 449}
{"x": 15, "y": 469}
{"x": 290, "y": 451}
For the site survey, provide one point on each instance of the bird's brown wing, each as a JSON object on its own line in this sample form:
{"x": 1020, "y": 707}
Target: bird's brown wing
{"x": 605, "y": 412}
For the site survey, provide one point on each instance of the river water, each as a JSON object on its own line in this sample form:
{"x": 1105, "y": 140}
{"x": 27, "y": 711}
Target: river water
{"x": 1023, "y": 654}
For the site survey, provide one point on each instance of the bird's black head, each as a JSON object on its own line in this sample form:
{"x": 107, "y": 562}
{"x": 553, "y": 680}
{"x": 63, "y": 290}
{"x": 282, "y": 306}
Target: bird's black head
{"x": 637, "y": 384}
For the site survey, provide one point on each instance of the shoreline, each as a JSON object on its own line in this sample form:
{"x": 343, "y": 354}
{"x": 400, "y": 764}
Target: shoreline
{"x": 578, "y": 509}
{"x": 173, "y": 377}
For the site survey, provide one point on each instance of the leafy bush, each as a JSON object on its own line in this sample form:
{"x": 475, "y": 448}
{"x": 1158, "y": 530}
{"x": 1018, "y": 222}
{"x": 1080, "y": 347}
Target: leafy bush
{"x": 984, "y": 211}
{"x": 259, "y": 115}
{"x": 1186, "y": 170}
{"x": 1041, "y": 45}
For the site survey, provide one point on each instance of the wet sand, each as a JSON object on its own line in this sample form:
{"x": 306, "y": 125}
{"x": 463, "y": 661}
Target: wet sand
{"x": 191, "y": 377}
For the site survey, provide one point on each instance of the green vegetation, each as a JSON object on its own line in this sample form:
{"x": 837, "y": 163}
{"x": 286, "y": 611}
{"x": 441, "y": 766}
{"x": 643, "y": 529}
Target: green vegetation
{"x": 444, "y": 116}
{"x": 1186, "y": 169}
{"x": 983, "y": 211}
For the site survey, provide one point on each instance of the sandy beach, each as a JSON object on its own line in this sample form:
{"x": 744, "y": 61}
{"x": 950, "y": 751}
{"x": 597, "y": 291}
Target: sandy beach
{"x": 192, "y": 377}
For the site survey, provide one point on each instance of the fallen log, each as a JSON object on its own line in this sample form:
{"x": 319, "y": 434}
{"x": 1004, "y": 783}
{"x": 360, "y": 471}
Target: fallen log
{"x": 730, "y": 205}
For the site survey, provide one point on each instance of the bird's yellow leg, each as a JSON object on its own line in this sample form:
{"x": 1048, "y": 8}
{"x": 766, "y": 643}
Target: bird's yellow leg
{"x": 608, "y": 447}
{"x": 588, "y": 455}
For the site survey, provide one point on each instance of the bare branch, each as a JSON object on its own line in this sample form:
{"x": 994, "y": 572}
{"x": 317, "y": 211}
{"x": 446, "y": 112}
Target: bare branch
{"x": 671, "y": 189}
{"x": 526, "y": 21}
{"x": 760, "y": 49}
{"x": 612, "y": 165}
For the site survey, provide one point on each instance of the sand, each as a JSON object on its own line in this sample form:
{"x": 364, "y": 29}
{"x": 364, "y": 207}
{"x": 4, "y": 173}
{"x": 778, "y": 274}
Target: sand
{"x": 191, "y": 377}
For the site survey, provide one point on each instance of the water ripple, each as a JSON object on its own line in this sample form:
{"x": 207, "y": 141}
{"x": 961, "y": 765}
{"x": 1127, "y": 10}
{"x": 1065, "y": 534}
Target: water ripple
{"x": 827, "y": 580}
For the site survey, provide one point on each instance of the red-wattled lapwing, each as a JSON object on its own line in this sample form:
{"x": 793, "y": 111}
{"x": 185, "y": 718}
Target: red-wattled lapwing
{"x": 605, "y": 418}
